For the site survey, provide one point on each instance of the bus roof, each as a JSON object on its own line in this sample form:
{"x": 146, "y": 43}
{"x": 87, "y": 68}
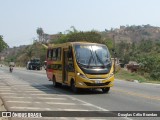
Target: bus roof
{"x": 70, "y": 43}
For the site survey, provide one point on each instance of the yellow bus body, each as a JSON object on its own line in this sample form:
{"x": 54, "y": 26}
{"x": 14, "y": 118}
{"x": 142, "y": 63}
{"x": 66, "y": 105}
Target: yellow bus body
{"x": 58, "y": 70}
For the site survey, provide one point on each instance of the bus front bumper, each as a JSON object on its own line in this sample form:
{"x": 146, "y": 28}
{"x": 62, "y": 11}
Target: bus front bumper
{"x": 94, "y": 83}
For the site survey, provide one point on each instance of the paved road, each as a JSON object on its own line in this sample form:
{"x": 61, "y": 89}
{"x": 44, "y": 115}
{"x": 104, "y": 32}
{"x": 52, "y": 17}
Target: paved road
{"x": 25, "y": 90}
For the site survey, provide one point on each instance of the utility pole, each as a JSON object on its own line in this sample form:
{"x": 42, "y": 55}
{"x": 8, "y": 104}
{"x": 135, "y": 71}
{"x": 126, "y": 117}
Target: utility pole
{"x": 114, "y": 67}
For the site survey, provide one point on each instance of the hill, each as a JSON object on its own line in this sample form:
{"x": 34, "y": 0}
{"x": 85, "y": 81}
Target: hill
{"x": 130, "y": 34}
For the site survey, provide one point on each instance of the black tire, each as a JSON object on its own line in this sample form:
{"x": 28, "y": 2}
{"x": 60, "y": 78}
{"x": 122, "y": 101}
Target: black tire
{"x": 55, "y": 84}
{"x": 59, "y": 84}
{"x": 31, "y": 67}
{"x": 73, "y": 87}
{"x": 105, "y": 90}
{"x": 38, "y": 69}
{"x": 10, "y": 70}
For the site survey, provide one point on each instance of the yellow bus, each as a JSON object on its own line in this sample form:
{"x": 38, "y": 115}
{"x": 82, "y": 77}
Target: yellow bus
{"x": 80, "y": 65}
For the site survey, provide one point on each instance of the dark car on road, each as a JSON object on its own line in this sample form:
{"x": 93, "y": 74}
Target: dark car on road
{"x": 34, "y": 64}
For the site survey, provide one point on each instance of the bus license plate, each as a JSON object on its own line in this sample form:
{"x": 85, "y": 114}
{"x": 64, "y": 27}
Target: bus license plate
{"x": 98, "y": 81}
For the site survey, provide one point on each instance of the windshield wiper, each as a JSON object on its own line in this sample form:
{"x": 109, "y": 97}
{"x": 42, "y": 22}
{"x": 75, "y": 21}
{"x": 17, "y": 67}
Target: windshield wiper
{"x": 91, "y": 57}
{"x": 99, "y": 59}
{"x": 81, "y": 64}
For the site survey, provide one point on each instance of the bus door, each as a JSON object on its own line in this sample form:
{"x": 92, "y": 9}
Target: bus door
{"x": 65, "y": 65}
{"x": 49, "y": 69}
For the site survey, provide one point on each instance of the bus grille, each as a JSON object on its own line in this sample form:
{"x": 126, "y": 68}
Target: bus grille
{"x": 96, "y": 84}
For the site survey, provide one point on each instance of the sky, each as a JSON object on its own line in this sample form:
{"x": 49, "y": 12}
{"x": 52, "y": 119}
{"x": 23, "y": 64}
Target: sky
{"x": 20, "y": 18}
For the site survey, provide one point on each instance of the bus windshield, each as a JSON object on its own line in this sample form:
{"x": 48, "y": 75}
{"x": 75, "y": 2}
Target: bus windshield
{"x": 92, "y": 55}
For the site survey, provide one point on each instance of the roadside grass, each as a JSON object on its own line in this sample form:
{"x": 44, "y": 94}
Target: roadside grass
{"x": 123, "y": 74}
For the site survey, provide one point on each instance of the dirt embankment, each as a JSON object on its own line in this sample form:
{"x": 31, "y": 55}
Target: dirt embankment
{"x": 2, "y": 108}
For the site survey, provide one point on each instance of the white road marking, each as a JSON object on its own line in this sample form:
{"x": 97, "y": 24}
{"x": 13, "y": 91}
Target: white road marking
{"x": 4, "y": 90}
{"x": 24, "y": 86}
{"x": 4, "y": 77}
{"x": 90, "y": 119}
{"x": 8, "y": 93}
{"x": 56, "y": 103}
{"x": 5, "y": 87}
{"x": 31, "y": 89}
{"x": 99, "y": 108}
{"x": 74, "y": 110}
{"x": 38, "y": 102}
{"x": 52, "y": 98}
{"x": 40, "y": 94}
{"x": 30, "y": 108}
{"x": 15, "y": 97}
{"x": 18, "y": 101}
{"x": 25, "y": 102}
{"x": 34, "y": 91}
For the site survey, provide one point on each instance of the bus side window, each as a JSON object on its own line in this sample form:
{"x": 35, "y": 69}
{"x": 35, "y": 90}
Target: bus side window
{"x": 58, "y": 53}
{"x": 54, "y": 54}
{"x": 49, "y": 54}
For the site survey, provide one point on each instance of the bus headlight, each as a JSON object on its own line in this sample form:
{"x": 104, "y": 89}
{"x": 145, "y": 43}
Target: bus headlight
{"x": 80, "y": 83}
{"x": 110, "y": 75}
{"x": 81, "y": 75}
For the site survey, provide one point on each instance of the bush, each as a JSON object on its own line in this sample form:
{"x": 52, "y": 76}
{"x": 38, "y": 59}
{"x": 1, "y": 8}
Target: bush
{"x": 151, "y": 65}
{"x": 155, "y": 75}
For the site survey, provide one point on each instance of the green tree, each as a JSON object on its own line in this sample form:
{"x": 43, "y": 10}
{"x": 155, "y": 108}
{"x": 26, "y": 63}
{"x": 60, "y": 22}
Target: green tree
{"x": 145, "y": 45}
{"x": 3, "y": 45}
{"x": 81, "y": 36}
{"x": 40, "y": 34}
{"x": 109, "y": 43}
{"x": 72, "y": 30}
{"x": 149, "y": 65}
{"x": 29, "y": 52}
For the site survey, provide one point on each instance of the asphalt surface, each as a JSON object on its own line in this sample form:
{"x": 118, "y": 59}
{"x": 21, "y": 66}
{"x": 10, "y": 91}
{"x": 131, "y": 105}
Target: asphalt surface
{"x": 27, "y": 90}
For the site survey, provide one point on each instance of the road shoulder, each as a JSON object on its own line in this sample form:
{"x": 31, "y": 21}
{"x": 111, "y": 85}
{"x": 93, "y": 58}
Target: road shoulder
{"x": 2, "y": 108}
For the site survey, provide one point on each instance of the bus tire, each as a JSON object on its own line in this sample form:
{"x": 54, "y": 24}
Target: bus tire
{"x": 105, "y": 90}
{"x": 59, "y": 84}
{"x": 54, "y": 81}
{"x": 73, "y": 87}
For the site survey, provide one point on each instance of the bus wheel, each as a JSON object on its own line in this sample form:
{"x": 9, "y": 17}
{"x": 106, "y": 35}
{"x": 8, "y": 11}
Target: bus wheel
{"x": 105, "y": 90}
{"x": 73, "y": 87}
{"x": 54, "y": 81}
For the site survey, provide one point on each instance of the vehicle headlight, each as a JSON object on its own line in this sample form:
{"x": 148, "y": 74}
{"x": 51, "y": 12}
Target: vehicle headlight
{"x": 80, "y": 83}
{"x": 81, "y": 75}
{"x": 110, "y": 75}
